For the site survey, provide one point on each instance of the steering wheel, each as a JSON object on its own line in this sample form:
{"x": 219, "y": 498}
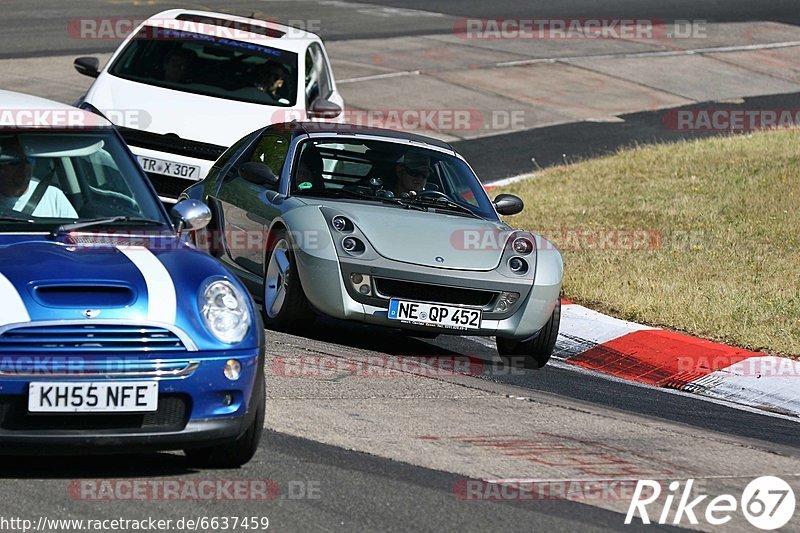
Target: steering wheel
{"x": 115, "y": 203}
{"x": 433, "y": 195}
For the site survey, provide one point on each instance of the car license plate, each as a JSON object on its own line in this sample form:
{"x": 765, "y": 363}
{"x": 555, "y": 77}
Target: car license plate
{"x": 93, "y": 397}
{"x": 169, "y": 168}
{"x": 443, "y": 316}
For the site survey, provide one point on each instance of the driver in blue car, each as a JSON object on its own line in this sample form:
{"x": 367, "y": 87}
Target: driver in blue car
{"x": 21, "y": 193}
{"x": 412, "y": 172}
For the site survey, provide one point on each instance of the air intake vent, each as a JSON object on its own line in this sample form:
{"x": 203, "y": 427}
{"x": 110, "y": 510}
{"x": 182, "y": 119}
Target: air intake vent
{"x": 171, "y": 143}
{"x": 392, "y": 288}
{"x": 84, "y": 296}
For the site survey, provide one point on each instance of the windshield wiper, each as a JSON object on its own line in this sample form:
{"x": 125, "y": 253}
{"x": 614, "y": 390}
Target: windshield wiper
{"x": 403, "y": 202}
{"x": 95, "y": 222}
{"x": 357, "y": 195}
{"x": 444, "y": 202}
{"x": 7, "y": 218}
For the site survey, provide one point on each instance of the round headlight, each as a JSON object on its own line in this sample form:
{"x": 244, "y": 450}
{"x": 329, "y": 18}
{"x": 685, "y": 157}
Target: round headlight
{"x": 517, "y": 265}
{"x": 339, "y": 223}
{"x": 522, "y": 246}
{"x": 352, "y": 245}
{"x": 225, "y": 312}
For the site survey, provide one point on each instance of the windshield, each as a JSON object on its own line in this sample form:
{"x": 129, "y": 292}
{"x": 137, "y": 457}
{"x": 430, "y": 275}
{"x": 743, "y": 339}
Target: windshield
{"x": 380, "y": 171}
{"x": 211, "y": 66}
{"x": 51, "y": 178}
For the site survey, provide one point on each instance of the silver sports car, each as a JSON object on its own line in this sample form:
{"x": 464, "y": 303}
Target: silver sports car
{"x": 382, "y": 227}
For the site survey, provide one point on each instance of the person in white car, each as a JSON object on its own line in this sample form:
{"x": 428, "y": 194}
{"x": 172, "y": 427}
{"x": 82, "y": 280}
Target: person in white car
{"x": 20, "y": 192}
{"x": 271, "y": 79}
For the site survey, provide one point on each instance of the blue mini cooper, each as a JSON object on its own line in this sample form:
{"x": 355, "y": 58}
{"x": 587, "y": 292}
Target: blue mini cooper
{"x": 115, "y": 334}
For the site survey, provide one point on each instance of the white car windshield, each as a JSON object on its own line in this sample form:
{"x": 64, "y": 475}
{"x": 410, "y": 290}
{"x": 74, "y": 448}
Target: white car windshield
{"x": 56, "y": 177}
{"x": 381, "y": 171}
{"x": 211, "y": 66}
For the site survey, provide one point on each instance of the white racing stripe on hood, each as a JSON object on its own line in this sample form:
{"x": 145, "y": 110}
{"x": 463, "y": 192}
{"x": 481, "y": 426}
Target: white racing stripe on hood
{"x": 161, "y": 299}
{"x": 13, "y": 309}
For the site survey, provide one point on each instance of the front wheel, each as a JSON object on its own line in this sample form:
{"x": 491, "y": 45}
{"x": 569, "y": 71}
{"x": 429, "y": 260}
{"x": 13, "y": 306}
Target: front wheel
{"x": 285, "y": 304}
{"x": 535, "y": 351}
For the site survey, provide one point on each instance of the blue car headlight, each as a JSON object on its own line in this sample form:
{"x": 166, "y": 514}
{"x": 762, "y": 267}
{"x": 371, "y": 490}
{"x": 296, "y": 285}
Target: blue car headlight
{"x": 225, "y": 311}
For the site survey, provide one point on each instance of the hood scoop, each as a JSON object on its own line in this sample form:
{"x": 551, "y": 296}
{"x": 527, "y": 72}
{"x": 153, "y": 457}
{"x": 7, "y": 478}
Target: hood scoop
{"x": 80, "y": 295}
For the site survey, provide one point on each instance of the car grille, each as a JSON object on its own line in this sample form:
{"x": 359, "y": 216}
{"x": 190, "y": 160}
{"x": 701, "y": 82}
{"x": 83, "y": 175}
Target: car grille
{"x": 172, "y": 415}
{"x": 169, "y": 186}
{"x": 425, "y": 292}
{"x": 172, "y": 144}
{"x": 90, "y": 338}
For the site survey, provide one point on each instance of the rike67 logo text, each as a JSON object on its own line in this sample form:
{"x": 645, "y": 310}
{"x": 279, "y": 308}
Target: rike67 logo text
{"x": 767, "y": 502}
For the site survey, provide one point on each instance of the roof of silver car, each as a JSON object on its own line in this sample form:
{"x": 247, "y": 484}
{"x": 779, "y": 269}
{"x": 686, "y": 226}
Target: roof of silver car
{"x": 336, "y": 128}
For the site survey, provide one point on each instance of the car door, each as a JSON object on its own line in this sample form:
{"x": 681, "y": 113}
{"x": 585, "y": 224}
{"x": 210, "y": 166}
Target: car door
{"x": 248, "y": 208}
{"x": 319, "y": 77}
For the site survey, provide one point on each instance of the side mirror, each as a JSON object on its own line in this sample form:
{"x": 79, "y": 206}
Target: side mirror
{"x": 323, "y": 108}
{"x": 88, "y": 66}
{"x": 258, "y": 173}
{"x": 190, "y": 214}
{"x": 508, "y": 204}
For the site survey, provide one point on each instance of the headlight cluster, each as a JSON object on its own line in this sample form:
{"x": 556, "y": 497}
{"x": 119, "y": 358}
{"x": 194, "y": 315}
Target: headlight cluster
{"x": 520, "y": 246}
{"x": 225, "y": 313}
{"x": 352, "y": 242}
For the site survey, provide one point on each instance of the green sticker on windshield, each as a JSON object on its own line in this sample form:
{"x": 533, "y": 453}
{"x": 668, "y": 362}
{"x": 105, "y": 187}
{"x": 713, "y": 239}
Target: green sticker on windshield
{"x": 305, "y": 185}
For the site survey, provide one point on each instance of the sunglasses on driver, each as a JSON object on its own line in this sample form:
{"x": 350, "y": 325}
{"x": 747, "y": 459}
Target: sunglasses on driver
{"x": 10, "y": 154}
{"x": 418, "y": 172}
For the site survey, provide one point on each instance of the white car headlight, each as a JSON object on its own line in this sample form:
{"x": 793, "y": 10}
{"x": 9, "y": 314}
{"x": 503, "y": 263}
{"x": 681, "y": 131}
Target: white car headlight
{"x": 225, "y": 311}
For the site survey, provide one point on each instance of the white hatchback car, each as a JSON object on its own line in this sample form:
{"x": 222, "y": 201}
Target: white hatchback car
{"x": 185, "y": 85}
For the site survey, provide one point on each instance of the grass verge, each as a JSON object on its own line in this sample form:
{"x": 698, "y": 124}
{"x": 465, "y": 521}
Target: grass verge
{"x": 699, "y": 236}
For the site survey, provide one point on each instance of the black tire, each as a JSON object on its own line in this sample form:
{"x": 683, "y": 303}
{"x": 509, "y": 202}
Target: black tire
{"x": 239, "y": 451}
{"x": 295, "y": 311}
{"x": 536, "y": 351}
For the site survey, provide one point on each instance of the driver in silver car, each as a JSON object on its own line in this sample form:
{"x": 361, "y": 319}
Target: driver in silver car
{"x": 412, "y": 172}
